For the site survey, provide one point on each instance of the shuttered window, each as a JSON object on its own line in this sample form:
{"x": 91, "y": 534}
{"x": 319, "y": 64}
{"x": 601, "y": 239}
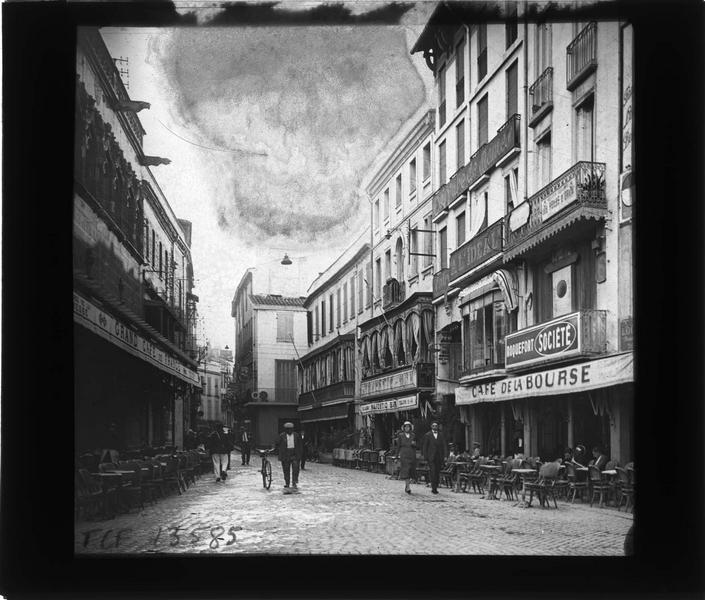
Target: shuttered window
{"x": 285, "y": 326}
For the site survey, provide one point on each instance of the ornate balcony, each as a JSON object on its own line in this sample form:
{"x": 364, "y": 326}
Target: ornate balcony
{"x": 393, "y": 293}
{"x": 334, "y": 391}
{"x": 541, "y": 93}
{"x": 483, "y": 246}
{"x": 579, "y": 191}
{"x": 484, "y": 160}
{"x": 581, "y": 56}
{"x": 440, "y": 283}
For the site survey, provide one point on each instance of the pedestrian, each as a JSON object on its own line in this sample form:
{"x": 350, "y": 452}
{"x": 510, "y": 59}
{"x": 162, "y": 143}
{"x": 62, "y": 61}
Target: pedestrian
{"x": 217, "y": 445}
{"x": 303, "y": 451}
{"x": 290, "y": 450}
{"x": 112, "y": 446}
{"x": 434, "y": 452}
{"x": 406, "y": 443}
{"x": 229, "y": 443}
{"x": 245, "y": 446}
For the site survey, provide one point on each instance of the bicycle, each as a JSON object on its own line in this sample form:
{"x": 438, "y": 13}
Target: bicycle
{"x": 266, "y": 467}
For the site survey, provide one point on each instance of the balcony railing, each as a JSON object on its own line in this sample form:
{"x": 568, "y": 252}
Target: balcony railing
{"x": 581, "y": 185}
{"x": 334, "y": 391}
{"x": 484, "y": 245}
{"x": 393, "y": 293}
{"x": 440, "y": 283}
{"x": 581, "y": 56}
{"x": 485, "y": 159}
{"x": 541, "y": 93}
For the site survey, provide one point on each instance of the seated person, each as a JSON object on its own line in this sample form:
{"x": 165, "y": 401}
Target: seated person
{"x": 476, "y": 451}
{"x": 599, "y": 459}
{"x": 567, "y": 456}
{"x": 579, "y": 456}
{"x": 452, "y": 456}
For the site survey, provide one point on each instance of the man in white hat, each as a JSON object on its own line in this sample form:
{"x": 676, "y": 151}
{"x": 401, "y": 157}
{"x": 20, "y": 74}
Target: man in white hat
{"x": 290, "y": 452}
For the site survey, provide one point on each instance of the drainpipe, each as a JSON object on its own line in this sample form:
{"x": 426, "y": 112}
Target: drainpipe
{"x": 526, "y": 106}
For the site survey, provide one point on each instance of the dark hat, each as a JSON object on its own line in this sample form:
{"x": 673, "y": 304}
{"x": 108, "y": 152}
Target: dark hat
{"x": 476, "y": 443}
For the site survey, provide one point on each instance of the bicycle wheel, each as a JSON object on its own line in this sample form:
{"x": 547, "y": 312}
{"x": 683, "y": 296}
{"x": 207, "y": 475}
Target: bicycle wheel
{"x": 267, "y": 475}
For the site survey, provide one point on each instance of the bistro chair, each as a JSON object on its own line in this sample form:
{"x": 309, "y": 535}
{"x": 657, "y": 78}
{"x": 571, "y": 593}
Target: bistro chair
{"x": 91, "y": 500}
{"x": 510, "y": 481}
{"x": 598, "y": 486}
{"x": 544, "y": 486}
{"x": 575, "y": 486}
{"x": 476, "y": 476}
{"x": 422, "y": 470}
{"x": 446, "y": 475}
{"x": 625, "y": 489}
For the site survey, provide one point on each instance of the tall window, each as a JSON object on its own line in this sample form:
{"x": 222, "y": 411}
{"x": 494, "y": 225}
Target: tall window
{"x": 481, "y": 51}
{"x": 441, "y": 96}
{"x": 318, "y": 324}
{"x": 512, "y": 90}
{"x": 361, "y": 290}
{"x": 285, "y": 326}
{"x": 285, "y": 380}
{"x": 414, "y": 267}
{"x": 443, "y": 247}
{"x": 585, "y": 130}
{"x": 511, "y": 25}
{"x": 323, "y": 318}
{"x": 486, "y": 322}
{"x": 542, "y": 58}
{"x": 375, "y": 215}
{"x": 426, "y": 161}
{"x": 388, "y": 264}
{"x": 412, "y": 176}
{"x": 368, "y": 284}
{"x": 460, "y": 143}
{"x": 146, "y": 241}
{"x": 386, "y": 203}
{"x": 482, "y": 121}
{"x": 460, "y": 73}
{"x": 460, "y": 229}
{"x": 154, "y": 246}
{"x": 352, "y": 296}
{"x": 398, "y": 191}
{"x": 428, "y": 240}
{"x": 511, "y": 192}
{"x": 378, "y": 278}
{"x": 331, "y": 309}
{"x": 161, "y": 264}
{"x": 543, "y": 154}
{"x": 338, "y": 312}
{"x": 442, "y": 167}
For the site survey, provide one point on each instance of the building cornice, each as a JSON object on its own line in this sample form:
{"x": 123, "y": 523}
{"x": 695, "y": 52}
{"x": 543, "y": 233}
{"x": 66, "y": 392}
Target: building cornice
{"x": 336, "y": 276}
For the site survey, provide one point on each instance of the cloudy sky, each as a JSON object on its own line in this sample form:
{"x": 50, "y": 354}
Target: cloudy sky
{"x": 271, "y": 129}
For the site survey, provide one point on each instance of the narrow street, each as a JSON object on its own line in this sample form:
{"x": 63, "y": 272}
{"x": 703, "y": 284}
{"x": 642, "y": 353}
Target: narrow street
{"x": 342, "y": 511}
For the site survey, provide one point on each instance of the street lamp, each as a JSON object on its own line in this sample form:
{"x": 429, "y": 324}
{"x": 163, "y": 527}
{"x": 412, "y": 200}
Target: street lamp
{"x": 286, "y": 260}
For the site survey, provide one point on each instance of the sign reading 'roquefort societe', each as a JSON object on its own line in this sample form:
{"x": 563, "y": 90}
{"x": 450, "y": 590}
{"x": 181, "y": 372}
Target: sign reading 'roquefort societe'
{"x": 559, "y": 338}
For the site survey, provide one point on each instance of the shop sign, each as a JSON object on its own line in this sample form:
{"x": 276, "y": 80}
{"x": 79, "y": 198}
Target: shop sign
{"x": 595, "y": 374}
{"x": 391, "y": 405}
{"x": 484, "y": 245}
{"x": 556, "y": 339}
{"x": 562, "y": 193}
{"x": 113, "y": 330}
{"x": 626, "y": 334}
{"x": 422, "y": 376}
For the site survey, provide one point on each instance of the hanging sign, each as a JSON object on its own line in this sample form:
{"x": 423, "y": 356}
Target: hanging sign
{"x": 391, "y": 405}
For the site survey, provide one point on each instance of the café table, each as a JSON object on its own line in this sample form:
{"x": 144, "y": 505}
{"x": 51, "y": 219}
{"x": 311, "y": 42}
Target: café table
{"x": 457, "y": 464}
{"x": 488, "y": 470}
{"x": 522, "y": 475}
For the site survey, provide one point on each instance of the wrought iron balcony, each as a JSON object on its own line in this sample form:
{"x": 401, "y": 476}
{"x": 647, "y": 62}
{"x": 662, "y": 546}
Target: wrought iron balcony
{"x": 334, "y": 391}
{"x": 508, "y": 137}
{"x": 440, "y": 283}
{"x": 581, "y": 186}
{"x": 393, "y": 293}
{"x": 581, "y": 56}
{"x": 541, "y": 93}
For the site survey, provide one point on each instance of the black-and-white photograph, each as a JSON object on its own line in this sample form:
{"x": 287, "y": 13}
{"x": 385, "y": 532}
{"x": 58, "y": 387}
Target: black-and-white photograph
{"x": 355, "y": 279}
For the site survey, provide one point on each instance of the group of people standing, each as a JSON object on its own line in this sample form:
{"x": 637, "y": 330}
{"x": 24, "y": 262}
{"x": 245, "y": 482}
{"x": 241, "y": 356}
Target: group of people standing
{"x": 220, "y": 443}
{"x": 433, "y": 449}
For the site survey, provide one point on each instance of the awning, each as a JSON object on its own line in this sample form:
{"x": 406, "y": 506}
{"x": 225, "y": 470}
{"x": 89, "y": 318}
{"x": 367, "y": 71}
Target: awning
{"x": 325, "y": 413}
{"x": 390, "y": 405}
{"x": 580, "y": 377}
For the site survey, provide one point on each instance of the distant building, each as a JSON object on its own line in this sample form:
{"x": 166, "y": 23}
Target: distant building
{"x": 134, "y": 310}
{"x": 215, "y": 372}
{"x": 270, "y": 334}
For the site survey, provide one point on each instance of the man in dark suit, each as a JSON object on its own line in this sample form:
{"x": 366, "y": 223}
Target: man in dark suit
{"x": 290, "y": 453}
{"x": 245, "y": 445}
{"x": 433, "y": 448}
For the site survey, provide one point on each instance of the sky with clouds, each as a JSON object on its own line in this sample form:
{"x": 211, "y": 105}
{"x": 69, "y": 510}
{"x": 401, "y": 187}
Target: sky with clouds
{"x": 271, "y": 130}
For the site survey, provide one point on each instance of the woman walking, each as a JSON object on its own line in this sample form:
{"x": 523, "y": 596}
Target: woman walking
{"x": 407, "y": 454}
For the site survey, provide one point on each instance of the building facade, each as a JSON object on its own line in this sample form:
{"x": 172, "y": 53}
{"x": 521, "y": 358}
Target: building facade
{"x": 134, "y": 310}
{"x": 215, "y": 372}
{"x": 397, "y": 370}
{"x": 329, "y": 373}
{"x": 270, "y": 335}
{"x": 533, "y": 283}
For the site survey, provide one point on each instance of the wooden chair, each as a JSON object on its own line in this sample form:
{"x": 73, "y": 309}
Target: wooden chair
{"x": 544, "y": 486}
{"x": 91, "y": 501}
{"x": 598, "y": 486}
{"x": 575, "y": 486}
{"x": 625, "y": 489}
{"x": 446, "y": 475}
{"x": 422, "y": 470}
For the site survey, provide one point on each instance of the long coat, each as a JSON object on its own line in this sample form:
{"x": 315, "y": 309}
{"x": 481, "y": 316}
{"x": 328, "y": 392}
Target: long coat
{"x": 298, "y": 445}
{"x": 407, "y": 455}
{"x": 434, "y": 450}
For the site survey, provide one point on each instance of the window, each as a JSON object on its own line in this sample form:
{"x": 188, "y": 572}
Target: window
{"x": 369, "y": 283}
{"x": 412, "y": 176}
{"x": 426, "y": 161}
{"x": 161, "y": 264}
{"x": 478, "y": 212}
{"x": 375, "y": 215}
{"x": 481, "y": 51}
{"x": 486, "y": 323}
{"x": 285, "y": 326}
{"x": 428, "y": 240}
{"x": 361, "y": 290}
{"x": 398, "y": 190}
{"x": 317, "y": 324}
{"x": 441, "y": 96}
{"x": 146, "y": 241}
{"x": 511, "y": 25}
{"x": 414, "y": 248}
{"x": 443, "y": 247}
{"x": 482, "y": 121}
{"x": 460, "y": 73}
{"x": 309, "y": 326}
{"x": 512, "y": 90}
{"x": 388, "y": 264}
{"x": 331, "y": 313}
{"x": 386, "y": 203}
{"x": 442, "y": 167}
{"x": 323, "y": 318}
{"x": 399, "y": 259}
{"x": 284, "y": 380}
{"x": 338, "y": 310}
{"x": 543, "y": 155}
{"x": 460, "y": 143}
{"x": 585, "y": 131}
{"x": 352, "y": 296}
{"x": 154, "y": 258}
{"x": 543, "y": 48}
{"x": 511, "y": 192}
{"x": 378, "y": 279}
{"x": 460, "y": 229}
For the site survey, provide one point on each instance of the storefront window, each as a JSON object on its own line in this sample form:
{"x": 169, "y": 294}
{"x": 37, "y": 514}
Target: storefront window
{"x": 486, "y": 322}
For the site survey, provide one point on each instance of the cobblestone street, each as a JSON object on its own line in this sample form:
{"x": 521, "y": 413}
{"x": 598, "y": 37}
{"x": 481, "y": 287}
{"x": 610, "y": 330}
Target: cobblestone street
{"x": 342, "y": 511}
